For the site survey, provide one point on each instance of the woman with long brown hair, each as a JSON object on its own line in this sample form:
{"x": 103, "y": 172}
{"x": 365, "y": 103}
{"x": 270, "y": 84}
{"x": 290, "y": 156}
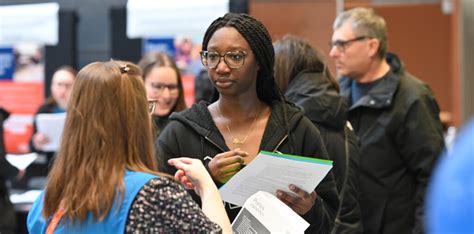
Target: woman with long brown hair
{"x": 104, "y": 178}
{"x": 163, "y": 82}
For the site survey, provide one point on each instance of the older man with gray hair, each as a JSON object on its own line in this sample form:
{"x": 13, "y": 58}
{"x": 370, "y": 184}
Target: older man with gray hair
{"x": 396, "y": 119}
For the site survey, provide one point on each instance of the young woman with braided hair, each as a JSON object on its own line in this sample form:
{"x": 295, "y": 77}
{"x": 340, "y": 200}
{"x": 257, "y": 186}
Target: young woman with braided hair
{"x": 249, "y": 116}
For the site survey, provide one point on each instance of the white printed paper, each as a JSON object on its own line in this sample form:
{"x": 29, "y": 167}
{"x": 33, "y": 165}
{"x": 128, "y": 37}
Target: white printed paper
{"x": 26, "y": 197}
{"x": 52, "y": 126}
{"x": 21, "y": 161}
{"x": 264, "y": 213}
{"x": 270, "y": 172}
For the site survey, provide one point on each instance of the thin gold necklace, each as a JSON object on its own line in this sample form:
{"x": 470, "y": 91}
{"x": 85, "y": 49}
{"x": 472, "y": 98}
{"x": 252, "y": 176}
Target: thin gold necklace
{"x": 235, "y": 140}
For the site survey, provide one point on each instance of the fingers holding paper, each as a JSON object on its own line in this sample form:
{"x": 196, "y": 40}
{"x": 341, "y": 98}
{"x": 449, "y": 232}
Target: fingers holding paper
{"x": 224, "y": 165}
{"x": 301, "y": 201}
{"x": 40, "y": 139}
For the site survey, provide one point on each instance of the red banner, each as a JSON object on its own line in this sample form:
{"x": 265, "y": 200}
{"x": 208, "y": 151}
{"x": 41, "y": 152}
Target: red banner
{"x": 22, "y": 100}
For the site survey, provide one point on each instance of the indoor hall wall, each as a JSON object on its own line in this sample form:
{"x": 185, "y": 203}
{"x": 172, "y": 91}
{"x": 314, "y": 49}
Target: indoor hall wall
{"x": 418, "y": 32}
{"x": 456, "y": 64}
{"x": 310, "y": 19}
{"x": 467, "y": 61}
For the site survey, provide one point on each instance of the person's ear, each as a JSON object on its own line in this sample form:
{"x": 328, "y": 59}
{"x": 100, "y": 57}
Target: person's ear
{"x": 374, "y": 45}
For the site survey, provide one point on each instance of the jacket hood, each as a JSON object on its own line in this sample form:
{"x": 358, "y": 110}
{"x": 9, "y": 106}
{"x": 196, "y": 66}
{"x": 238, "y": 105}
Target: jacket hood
{"x": 396, "y": 64}
{"x": 321, "y": 103}
{"x": 197, "y": 118}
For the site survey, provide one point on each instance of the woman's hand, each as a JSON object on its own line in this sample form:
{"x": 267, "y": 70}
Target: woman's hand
{"x": 192, "y": 174}
{"x": 225, "y": 165}
{"x": 39, "y": 139}
{"x": 301, "y": 203}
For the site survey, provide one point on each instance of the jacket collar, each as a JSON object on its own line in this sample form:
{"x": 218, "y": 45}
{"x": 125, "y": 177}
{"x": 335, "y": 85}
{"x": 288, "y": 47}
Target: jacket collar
{"x": 199, "y": 119}
{"x": 382, "y": 94}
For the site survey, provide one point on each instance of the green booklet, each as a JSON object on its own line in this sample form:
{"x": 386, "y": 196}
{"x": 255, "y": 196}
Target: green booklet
{"x": 270, "y": 172}
{"x": 299, "y": 158}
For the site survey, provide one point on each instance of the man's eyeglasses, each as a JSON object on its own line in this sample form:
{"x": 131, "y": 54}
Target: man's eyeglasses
{"x": 160, "y": 87}
{"x": 151, "y": 106}
{"x": 341, "y": 45}
{"x": 233, "y": 59}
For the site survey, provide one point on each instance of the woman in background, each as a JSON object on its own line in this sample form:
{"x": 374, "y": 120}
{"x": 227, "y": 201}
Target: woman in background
{"x": 61, "y": 84}
{"x": 104, "y": 179}
{"x": 302, "y": 75}
{"x": 163, "y": 83}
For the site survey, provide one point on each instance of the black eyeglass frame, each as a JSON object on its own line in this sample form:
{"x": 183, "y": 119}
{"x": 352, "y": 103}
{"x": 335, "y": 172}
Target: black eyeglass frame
{"x": 341, "y": 45}
{"x": 204, "y": 59}
{"x": 160, "y": 87}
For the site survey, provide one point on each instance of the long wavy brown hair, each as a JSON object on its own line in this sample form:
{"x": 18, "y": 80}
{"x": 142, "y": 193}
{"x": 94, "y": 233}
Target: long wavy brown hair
{"x": 107, "y": 130}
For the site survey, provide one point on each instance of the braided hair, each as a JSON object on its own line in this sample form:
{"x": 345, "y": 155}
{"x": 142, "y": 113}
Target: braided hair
{"x": 260, "y": 42}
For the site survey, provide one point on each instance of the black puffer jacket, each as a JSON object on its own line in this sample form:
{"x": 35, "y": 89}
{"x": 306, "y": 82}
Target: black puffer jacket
{"x": 192, "y": 133}
{"x": 401, "y": 137}
{"x": 328, "y": 111}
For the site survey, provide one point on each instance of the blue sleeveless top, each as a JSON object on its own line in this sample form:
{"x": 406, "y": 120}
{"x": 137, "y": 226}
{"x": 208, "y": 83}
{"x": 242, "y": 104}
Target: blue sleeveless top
{"x": 113, "y": 223}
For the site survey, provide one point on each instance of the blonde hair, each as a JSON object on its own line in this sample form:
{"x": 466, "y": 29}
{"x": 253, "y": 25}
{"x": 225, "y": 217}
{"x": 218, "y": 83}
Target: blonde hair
{"x": 107, "y": 130}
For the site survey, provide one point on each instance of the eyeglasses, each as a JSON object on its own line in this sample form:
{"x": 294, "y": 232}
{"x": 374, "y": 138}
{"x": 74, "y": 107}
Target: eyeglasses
{"x": 341, "y": 45}
{"x": 151, "y": 106}
{"x": 233, "y": 59}
{"x": 160, "y": 87}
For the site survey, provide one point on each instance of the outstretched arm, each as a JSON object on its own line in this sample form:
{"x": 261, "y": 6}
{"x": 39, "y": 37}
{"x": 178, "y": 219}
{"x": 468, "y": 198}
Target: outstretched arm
{"x": 193, "y": 175}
